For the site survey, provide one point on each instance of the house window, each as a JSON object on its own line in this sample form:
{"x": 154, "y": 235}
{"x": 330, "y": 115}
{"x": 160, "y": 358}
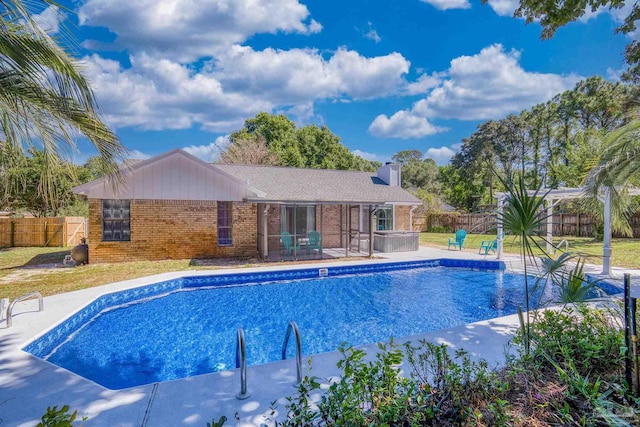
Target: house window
{"x": 298, "y": 220}
{"x": 385, "y": 218}
{"x": 225, "y": 215}
{"x": 116, "y": 225}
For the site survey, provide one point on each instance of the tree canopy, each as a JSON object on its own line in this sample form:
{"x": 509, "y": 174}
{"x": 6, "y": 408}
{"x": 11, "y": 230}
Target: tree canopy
{"x": 309, "y": 146}
{"x": 551, "y": 144}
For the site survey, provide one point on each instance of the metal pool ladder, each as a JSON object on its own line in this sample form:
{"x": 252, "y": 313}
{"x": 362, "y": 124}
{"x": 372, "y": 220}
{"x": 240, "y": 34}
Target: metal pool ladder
{"x": 22, "y": 298}
{"x": 293, "y": 327}
{"x": 241, "y": 362}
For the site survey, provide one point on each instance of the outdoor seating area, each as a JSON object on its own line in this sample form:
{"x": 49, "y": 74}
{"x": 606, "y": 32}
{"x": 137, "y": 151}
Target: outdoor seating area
{"x": 458, "y": 241}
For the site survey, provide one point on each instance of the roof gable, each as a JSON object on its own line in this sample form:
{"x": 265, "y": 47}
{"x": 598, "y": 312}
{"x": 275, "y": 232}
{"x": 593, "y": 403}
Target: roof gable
{"x": 175, "y": 175}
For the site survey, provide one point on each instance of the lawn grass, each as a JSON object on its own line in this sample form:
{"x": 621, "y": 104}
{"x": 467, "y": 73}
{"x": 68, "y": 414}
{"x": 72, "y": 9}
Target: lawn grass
{"x": 16, "y": 280}
{"x": 625, "y": 252}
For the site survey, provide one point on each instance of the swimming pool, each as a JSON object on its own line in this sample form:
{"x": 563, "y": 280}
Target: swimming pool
{"x": 188, "y": 326}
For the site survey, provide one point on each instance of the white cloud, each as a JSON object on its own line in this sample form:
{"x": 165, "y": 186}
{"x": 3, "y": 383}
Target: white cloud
{"x": 50, "y": 19}
{"x": 504, "y": 7}
{"x": 403, "y": 124}
{"x": 138, "y": 155}
{"x": 297, "y": 75}
{"x": 425, "y": 83}
{"x": 162, "y": 94}
{"x": 303, "y": 114}
{"x": 615, "y": 75}
{"x": 441, "y": 155}
{"x": 159, "y": 94}
{"x": 367, "y": 156}
{"x": 449, "y": 4}
{"x": 490, "y": 85}
{"x": 372, "y": 34}
{"x": 210, "y": 152}
{"x": 185, "y": 30}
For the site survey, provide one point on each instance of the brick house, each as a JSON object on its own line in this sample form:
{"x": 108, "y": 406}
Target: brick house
{"x": 176, "y": 206}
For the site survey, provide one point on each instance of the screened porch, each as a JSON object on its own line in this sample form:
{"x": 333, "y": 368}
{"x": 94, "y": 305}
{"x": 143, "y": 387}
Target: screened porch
{"x": 305, "y": 231}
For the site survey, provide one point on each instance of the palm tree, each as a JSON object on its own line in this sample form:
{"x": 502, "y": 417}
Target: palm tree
{"x": 617, "y": 168}
{"x": 45, "y": 101}
{"x": 524, "y": 215}
{"x": 619, "y": 164}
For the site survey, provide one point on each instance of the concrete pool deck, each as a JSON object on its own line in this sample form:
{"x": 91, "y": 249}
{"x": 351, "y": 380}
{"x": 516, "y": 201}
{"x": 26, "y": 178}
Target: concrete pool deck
{"x": 28, "y": 384}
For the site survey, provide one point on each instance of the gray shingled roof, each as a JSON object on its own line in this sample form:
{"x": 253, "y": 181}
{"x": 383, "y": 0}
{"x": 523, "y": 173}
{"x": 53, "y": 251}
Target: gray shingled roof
{"x": 319, "y": 185}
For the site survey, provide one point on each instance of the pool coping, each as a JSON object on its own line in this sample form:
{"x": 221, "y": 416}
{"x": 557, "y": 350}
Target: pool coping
{"x": 29, "y": 384}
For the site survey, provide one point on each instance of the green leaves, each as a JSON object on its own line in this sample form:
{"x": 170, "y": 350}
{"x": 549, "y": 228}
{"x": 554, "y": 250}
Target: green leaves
{"x": 44, "y": 98}
{"x": 55, "y": 417}
{"x": 310, "y": 146}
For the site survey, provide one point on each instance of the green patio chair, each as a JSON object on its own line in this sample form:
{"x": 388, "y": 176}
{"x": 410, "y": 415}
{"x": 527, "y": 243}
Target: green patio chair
{"x": 287, "y": 243}
{"x": 314, "y": 241}
{"x": 489, "y": 245}
{"x": 458, "y": 241}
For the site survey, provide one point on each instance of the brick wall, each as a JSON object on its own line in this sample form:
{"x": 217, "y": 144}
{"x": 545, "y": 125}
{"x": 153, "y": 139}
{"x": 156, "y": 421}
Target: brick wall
{"x": 174, "y": 229}
{"x": 401, "y": 215}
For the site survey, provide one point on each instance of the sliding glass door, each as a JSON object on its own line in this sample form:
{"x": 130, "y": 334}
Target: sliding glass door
{"x": 298, "y": 220}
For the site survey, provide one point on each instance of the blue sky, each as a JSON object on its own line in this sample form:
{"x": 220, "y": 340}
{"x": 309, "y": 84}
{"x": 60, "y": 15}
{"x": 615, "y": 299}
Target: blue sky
{"x": 384, "y": 76}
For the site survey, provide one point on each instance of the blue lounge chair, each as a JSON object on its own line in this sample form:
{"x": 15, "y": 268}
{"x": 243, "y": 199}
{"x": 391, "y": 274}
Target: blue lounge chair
{"x": 287, "y": 243}
{"x": 489, "y": 245}
{"x": 458, "y": 242}
{"x": 314, "y": 241}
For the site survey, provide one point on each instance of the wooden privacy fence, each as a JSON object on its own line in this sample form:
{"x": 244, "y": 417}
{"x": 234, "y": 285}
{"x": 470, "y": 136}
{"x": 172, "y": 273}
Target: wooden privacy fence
{"x": 54, "y": 232}
{"x": 564, "y": 224}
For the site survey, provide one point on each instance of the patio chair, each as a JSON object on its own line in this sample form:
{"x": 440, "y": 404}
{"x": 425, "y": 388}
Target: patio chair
{"x": 314, "y": 241}
{"x": 458, "y": 241}
{"x": 287, "y": 242}
{"x": 489, "y": 245}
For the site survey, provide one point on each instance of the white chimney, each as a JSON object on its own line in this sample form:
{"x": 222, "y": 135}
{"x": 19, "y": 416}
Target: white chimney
{"x": 390, "y": 174}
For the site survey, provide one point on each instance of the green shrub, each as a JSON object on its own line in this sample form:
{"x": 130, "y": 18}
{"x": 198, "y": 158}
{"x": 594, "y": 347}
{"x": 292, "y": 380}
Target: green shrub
{"x": 58, "y": 418}
{"x": 586, "y": 337}
{"x": 438, "y": 391}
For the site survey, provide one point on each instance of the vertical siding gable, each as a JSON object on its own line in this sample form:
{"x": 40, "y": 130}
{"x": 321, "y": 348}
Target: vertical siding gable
{"x": 174, "y": 177}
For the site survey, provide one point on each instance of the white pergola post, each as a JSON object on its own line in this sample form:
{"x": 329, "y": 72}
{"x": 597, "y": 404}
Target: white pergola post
{"x": 606, "y": 249}
{"x": 499, "y": 230}
{"x": 549, "y": 227}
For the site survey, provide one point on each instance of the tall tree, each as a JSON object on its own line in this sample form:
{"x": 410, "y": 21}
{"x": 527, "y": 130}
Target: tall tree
{"x": 310, "y": 146}
{"x": 279, "y": 134}
{"x": 44, "y": 98}
{"x": 24, "y": 181}
{"x": 249, "y": 151}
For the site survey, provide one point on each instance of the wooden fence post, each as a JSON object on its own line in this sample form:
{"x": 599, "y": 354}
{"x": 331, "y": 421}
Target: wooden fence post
{"x": 12, "y": 232}
{"x": 45, "y": 234}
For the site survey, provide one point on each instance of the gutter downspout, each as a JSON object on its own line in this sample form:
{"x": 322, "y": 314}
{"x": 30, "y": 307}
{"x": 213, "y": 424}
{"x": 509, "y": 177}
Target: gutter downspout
{"x": 500, "y": 230}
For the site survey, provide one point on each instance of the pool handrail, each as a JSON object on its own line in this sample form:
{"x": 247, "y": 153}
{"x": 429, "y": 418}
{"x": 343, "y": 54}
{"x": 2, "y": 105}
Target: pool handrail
{"x": 293, "y": 327}
{"x": 241, "y": 362}
{"x": 22, "y": 298}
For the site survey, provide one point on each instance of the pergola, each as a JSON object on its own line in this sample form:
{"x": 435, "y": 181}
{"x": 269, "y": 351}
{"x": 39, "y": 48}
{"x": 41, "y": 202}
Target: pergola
{"x": 553, "y": 197}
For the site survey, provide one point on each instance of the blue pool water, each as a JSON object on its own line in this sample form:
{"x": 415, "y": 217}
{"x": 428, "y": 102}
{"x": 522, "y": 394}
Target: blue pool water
{"x": 193, "y": 331}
